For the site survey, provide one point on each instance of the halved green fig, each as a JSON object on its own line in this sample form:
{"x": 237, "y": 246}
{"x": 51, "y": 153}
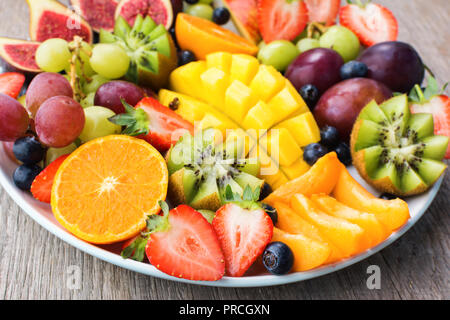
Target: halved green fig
{"x": 150, "y": 47}
{"x": 200, "y": 169}
{"x": 396, "y": 151}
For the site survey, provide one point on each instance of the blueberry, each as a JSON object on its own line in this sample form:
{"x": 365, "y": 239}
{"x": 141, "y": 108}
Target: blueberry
{"x": 388, "y": 196}
{"x": 313, "y": 152}
{"x": 271, "y": 212}
{"x": 174, "y": 36}
{"x": 191, "y": 1}
{"x": 310, "y": 95}
{"x": 185, "y": 57}
{"x": 354, "y": 69}
{"x": 343, "y": 152}
{"x": 278, "y": 258}
{"x": 24, "y": 175}
{"x": 221, "y": 15}
{"x": 265, "y": 191}
{"x": 28, "y": 150}
{"x": 329, "y": 136}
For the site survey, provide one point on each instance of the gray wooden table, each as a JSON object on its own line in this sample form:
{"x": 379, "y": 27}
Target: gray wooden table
{"x": 34, "y": 264}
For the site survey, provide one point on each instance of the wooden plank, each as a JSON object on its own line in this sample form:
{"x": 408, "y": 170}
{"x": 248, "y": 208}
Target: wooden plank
{"x": 34, "y": 264}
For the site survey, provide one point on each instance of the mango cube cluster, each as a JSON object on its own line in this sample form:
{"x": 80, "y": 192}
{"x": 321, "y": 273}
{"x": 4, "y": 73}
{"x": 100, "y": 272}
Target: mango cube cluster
{"x": 233, "y": 91}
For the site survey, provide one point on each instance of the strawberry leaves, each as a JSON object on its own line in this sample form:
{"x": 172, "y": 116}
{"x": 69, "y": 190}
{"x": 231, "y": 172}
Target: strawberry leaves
{"x": 417, "y": 95}
{"x": 136, "y": 121}
{"x": 249, "y": 199}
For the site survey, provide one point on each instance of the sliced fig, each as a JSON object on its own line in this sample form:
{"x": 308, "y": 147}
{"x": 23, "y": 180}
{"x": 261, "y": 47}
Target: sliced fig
{"x": 98, "y": 13}
{"x": 51, "y": 19}
{"x": 159, "y": 10}
{"x": 19, "y": 55}
{"x": 245, "y": 16}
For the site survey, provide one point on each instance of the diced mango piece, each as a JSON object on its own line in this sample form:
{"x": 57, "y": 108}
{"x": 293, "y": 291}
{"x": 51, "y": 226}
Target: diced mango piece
{"x": 345, "y": 235}
{"x": 269, "y": 169}
{"x": 291, "y": 222}
{"x": 243, "y": 68}
{"x": 216, "y": 121}
{"x": 374, "y": 232}
{"x": 287, "y": 102}
{"x": 240, "y": 138}
{"x": 186, "y": 79}
{"x": 238, "y": 100}
{"x": 303, "y": 128}
{"x": 267, "y": 82}
{"x": 321, "y": 178}
{"x": 281, "y": 146}
{"x": 296, "y": 169}
{"x": 391, "y": 213}
{"x": 219, "y": 60}
{"x": 308, "y": 253}
{"x": 189, "y": 108}
{"x": 214, "y": 82}
{"x": 258, "y": 117}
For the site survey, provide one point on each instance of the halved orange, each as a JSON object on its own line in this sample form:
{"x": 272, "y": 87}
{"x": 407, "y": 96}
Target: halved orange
{"x": 104, "y": 191}
{"x": 203, "y": 37}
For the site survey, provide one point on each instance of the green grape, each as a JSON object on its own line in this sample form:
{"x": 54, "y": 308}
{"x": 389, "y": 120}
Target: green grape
{"x": 341, "y": 40}
{"x": 97, "y": 124}
{"x": 95, "y": 83}
{"x": 54, "y": 153}
{"x": 201, "y": 10}
{"x": 307, "y": 44}
{"x": 88, "y": 101}
{"x": 206, "y": 1}
{"x": 279, "y": 54}
{"x": 85, "y": 52}
{"x": 109, "y": 61}
{"x": 261, "y": 45}
{"x": 53, "y": 55}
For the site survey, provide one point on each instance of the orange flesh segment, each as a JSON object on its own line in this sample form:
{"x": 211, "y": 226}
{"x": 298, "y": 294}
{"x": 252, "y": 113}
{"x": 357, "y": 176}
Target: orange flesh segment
{"x": 320, "y": 178}
{"x": 391, "y": 213}
{"x": 104, "y": 191}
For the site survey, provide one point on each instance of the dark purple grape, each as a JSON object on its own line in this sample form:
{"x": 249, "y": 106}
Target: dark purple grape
{"x": 394, "y": 63}
{"x": 59, "y": 121}
{"x": 340, "y": 105}
{"x": 14, "y": 119}
{"x": 44, "y": 86}
{"x": 109, "y": 95}
{"x": 319, "y": 67}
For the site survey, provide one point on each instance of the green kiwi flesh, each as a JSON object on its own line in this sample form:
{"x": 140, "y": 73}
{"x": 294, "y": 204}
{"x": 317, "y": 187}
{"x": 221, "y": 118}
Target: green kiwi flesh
{"x": 396, "y": 151}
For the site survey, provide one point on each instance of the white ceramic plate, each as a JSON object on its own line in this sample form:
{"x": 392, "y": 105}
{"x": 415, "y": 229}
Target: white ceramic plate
{"x": 42, "y": 214}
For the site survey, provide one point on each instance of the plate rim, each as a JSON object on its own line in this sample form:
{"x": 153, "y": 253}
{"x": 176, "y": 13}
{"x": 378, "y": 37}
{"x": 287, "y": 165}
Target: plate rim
{"x": 233, "y": 282}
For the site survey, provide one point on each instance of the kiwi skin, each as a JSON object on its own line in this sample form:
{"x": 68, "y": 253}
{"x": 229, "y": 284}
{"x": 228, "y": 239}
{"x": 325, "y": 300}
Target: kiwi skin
{"x": 383, "y": 185}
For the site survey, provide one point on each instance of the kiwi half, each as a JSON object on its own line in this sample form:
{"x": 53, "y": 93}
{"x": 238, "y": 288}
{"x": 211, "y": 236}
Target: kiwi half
{"x": 200, "y": 169}
{"x": 396, "y": 151}
{"x": 150, "y": 47}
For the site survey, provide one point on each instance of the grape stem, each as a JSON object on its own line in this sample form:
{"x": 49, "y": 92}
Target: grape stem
{"x": 315, "y": 27}
{"x": 76, "y": 47}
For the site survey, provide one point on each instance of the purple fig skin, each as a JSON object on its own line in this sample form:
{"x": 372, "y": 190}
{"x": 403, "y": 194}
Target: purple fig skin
{"x": 109, "y": 95}
{"x": 319, "y": 67}
{"x": 394, "y": 63}
{"x": 340, "y": 105}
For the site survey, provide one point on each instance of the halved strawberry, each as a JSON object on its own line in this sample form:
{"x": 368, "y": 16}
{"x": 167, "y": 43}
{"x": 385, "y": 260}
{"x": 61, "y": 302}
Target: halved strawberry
{"x": 432, "y": 101}
{"x": 150, "y": 120}
{"x": 11, "y": 83}
{"x": 324, "y": 11}
{"x": 243, "y": 235}
{"x": 281, "y": 19}
{"x": 372, "y": 23}
{"x": 41, "y": 189}
{"x": 183, "y": 244}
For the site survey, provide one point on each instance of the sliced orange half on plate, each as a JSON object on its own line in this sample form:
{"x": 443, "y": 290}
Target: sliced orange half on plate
{"x": 104, "y": 191}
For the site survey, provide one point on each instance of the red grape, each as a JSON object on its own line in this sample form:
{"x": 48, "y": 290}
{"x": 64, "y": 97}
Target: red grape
{"x": 110, "y": 93}
{"x": 14, "y": 119}
{"x": 59, "y": 121}
{"x": 340, "y": 105}
{"x": 394, "y": 63}
{"x": 45, "y": 86}
{"x": 319, "y": 67}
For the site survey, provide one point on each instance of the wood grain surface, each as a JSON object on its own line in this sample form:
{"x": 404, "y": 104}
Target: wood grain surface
{"x": 34, "y": 264}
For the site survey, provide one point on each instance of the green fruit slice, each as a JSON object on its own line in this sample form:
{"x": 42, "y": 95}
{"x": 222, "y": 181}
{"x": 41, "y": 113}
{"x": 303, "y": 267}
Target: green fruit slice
{"x": 435, "y": 147}
{"x": 430, "y": 170}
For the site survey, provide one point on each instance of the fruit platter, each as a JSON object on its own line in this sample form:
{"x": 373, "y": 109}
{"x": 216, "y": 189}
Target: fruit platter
{"x": 235, "y": 143}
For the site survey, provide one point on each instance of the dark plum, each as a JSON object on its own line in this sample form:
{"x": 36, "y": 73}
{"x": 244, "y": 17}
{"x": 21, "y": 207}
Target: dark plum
{"x": 394, "y": 63}
{"x": 109, "y": 95}
{"x": 319, "y": 67}
{"x": 340, "y": 105}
